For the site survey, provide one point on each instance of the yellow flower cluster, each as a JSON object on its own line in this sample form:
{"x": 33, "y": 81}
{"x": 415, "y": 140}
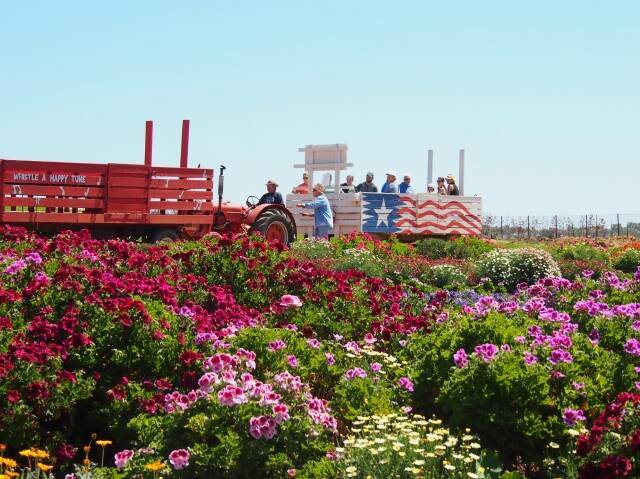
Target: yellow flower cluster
{"x": 34, "y": 453}
{"x": 395, "y": 445}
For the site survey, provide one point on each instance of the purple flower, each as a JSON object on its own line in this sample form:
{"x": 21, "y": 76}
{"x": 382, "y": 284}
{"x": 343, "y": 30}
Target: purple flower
{"x": 587, "y": 273}
{"x": 460, "y": 358}
{"x": 572, "y": 416}
{"x": 313, "y": 343}
{"x": 179, "y": 459}
{"x": 406, "y": 383}
{"x": 330, "y": 358}
{"x": 632, "y": 346}
{"x": 487, "y": 352}
{"x": 560, "y": 356}
{"x": 530, "y": 358}
{"x": 577, "y": 385}
{"x": 594, "y": 336}
{"x": 376, "y": 367}
{"x": 355, "y": 373}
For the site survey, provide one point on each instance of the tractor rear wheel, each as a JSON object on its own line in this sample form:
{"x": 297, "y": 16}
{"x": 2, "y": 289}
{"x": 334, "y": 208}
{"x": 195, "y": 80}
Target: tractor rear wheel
{"x": 274, "y": 224}
{"x": 164, "y": 235}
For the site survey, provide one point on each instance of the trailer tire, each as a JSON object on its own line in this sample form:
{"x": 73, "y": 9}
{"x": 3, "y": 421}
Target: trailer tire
{"x": 273, "y": 224}
{"x": 165, "y": 235}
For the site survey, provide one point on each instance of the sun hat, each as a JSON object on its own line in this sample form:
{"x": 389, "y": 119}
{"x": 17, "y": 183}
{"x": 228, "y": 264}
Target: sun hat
{"x": 430, "y": 185}
{"x": 272, "y": 182}
{"x": 305, "y": 175}
{"x": 450, "y": 177}
{"x": 391, "y": 173}
{"x": 319, "y": 187}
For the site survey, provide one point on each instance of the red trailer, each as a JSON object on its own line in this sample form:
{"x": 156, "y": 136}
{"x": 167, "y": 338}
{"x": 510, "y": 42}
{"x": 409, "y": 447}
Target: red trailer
{"x": 134, "y": 201}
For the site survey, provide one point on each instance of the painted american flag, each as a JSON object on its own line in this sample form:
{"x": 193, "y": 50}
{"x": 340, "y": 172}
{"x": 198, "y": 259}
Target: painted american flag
{"x": 420, "y": 214}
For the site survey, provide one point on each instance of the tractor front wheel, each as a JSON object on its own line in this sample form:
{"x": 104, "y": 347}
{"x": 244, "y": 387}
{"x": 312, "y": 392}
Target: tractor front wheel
{"x": 274, "y": 224}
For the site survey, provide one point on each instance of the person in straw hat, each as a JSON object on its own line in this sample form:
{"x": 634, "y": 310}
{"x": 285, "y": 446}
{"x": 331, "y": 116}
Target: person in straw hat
{"x": 271, "y": 196}
{"x": 323, "y": 216}
{"x": 302, "y": 188}
{"x": 452, "y": 188}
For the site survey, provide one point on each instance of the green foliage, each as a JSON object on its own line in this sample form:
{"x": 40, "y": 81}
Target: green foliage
{"x": 628, "y": 261}
{"x": 447, "y": 276}
{"x": 465, "y": 247}
{"x": 583, "y": 252}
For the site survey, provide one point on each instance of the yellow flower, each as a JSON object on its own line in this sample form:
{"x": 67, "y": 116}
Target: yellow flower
{"x": 26, "y": 453}
{"x": 40, "y": 454}
{"x": 4, "y": 476}
{"x": 155, "y": 466}
{"x": 44, "y": 467}
{"x": 103, "y": 443}
{"x": 10, "y": 463}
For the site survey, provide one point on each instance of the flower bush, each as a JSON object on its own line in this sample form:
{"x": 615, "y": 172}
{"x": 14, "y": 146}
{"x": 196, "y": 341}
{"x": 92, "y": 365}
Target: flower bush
{"x": 511, "y": 267}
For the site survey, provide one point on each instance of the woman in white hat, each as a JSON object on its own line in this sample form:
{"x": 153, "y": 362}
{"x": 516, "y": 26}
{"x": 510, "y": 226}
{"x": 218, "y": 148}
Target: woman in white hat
{"x": 323, "y": 216}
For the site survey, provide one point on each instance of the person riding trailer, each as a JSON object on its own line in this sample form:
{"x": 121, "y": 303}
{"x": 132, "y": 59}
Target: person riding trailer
{"x": 323, "y": 216}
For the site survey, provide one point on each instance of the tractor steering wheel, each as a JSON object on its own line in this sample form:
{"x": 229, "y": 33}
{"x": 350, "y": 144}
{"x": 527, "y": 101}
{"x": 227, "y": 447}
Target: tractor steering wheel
{"x": 252, "y": 201}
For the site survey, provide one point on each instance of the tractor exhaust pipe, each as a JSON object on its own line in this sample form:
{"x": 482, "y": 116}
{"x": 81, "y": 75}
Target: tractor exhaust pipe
{"x": 219, "y": 220}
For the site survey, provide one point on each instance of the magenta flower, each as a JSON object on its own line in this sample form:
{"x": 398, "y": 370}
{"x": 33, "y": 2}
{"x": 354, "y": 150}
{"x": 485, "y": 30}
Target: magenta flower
{"x": 487, "y": 352}
{"x": 572, "y": 416}
{"x": 560, "y": 356}
{"x": 460, "y": 358}
{"x": 355, "y": 373}
{"x": 313, "y": 343}
{"x": 231, "y": 396}
{"x": 290, "y": 301}
{"x": 369, "y": 338}
{"x": 331, "y": 360}
{"x": 262, "y": 427}
{"x": 281, "y": 412}
{"x": 179, "y": 459}
{"x": 405, "y": 383}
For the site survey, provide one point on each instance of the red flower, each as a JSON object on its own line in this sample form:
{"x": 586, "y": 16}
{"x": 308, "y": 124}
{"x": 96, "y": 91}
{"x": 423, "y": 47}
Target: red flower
{"x": 615, "y": 466}
{"x": 634, "y": 440}
{"x": 13, "y": 396}
{"x": 66, "y": 452}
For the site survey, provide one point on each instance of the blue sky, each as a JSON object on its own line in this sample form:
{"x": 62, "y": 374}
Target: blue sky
{"x": 544, "y": 96}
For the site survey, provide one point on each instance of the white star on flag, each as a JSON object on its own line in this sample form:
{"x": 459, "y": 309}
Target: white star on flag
{"x": 383, "y": 214}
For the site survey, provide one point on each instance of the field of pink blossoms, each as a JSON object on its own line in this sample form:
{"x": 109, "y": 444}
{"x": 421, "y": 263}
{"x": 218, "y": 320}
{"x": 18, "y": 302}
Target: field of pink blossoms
{"x": 234, "y": 358}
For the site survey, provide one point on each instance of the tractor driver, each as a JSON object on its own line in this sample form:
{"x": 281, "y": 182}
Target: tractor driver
{"x": 271, "y": 196}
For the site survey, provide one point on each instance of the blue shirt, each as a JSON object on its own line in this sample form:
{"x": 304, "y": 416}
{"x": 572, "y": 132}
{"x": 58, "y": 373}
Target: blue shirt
{"x": 405, "y": 188}
{"x": 323, "y": 215}
{"x": 389, "y": 188}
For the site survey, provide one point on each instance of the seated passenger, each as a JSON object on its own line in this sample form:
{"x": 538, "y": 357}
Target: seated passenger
{"x": 302, "y": 188}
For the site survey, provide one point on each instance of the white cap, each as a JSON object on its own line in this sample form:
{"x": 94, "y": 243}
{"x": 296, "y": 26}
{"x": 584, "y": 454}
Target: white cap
{"x": 430, "y": 185}
{"x": 391, "y": 173}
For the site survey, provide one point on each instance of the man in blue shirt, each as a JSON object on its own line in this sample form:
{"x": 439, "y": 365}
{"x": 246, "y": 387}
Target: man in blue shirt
{"x": 271, "y": 196}
{"x": 321, "y": 212}
{"x": 405, "y": 186}
{"x": 390, "y": 186}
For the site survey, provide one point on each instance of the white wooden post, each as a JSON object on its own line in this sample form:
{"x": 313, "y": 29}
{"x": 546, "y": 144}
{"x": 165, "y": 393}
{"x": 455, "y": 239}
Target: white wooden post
{"x": 461, "y": 173}
{"x": 430, "y": 166}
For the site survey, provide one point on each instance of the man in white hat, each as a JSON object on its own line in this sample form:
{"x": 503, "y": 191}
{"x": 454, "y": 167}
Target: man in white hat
{"x": 431, "y": 189}
{"x": 390, "y": 186}
{"x": 271, "y": 196}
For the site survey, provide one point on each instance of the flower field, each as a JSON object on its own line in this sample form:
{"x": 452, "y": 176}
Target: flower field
{"x": 234, "y": 358}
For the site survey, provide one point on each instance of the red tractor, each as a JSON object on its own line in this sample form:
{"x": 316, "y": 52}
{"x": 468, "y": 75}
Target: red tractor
{"x": 132, "y": 201}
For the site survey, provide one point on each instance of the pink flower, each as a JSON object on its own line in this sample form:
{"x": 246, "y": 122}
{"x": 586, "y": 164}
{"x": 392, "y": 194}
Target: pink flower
{"x": 290, "y": 301}
{"x": 406, "y": 383}
{"x": 122, "y": 458}
{"x": 355, "y": 373}
{"x": 460, "y": 358}
{"x": 313, "y": 343}
{"x": 231, "y": 396}
{"x": 179, "y": 459}
{"x": 281, "y": 412}
{"x": 292, "y": 472}
{"x": 330, "y": 358}
{"x": 262, "y": 427}
{"x": 376, "y": 367}
{"x": 369, "y": 338}
{"x": 276, "y": 345}
{"x": 292, "y": 360}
